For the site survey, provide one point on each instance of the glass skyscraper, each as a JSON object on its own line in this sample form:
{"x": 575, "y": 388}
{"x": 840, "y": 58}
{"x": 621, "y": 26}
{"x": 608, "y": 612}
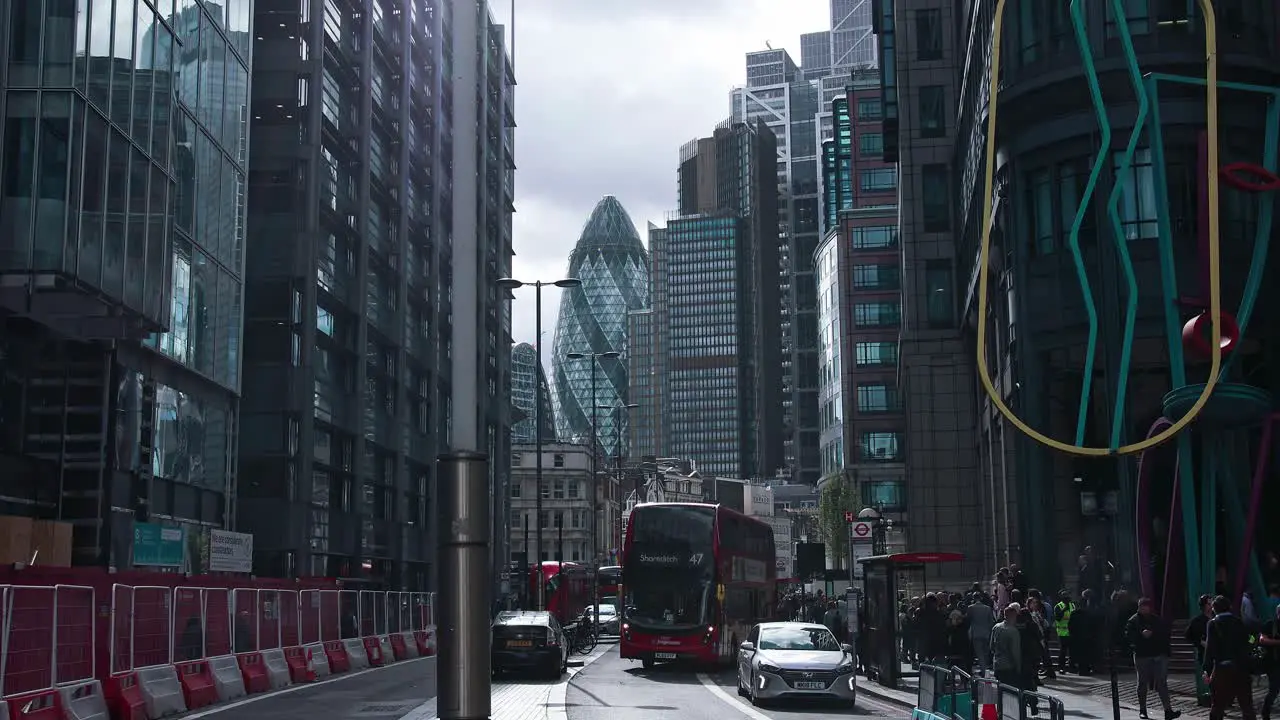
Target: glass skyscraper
{"x": 613, "y": 266}
{"x": 121, "y": 258}
{"x": 524, "y": 396}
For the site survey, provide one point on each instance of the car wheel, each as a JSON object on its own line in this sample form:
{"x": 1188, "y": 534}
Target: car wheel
{"x": 743, "y": 691}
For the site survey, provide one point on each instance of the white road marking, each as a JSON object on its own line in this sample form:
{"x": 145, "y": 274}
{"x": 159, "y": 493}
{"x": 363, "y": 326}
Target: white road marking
{"x": 292, "y": 689}
{"x": 730, "y": 700}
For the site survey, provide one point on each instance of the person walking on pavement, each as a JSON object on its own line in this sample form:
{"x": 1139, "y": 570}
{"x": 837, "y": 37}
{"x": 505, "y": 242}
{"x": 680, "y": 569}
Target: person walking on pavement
{"x": 1006, "y": 649}
{"x": 1271, "y": 641}
{"x": 1062, "y": 628}
{"x": 1030, "y": 637}
{"x": 981, "y": 619}
{"x": 1147, "y": 634}
{"x": 1226, "y": 662}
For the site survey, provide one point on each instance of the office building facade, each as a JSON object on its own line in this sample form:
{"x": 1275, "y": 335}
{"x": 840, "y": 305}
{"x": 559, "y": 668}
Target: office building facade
{"x": 1037, "y": 506}
{"x": 720, "y": 369}
{"x": 349, "y": 322}
{"x": 525, "y": 372}
{"x": 613, "y": 266}
{"x": 934, "y": 373}
{"x": 121, "y": 262}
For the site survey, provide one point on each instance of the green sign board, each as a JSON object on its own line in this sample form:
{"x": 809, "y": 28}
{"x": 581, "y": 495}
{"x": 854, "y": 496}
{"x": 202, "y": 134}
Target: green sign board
{"x": 158, "y": 546}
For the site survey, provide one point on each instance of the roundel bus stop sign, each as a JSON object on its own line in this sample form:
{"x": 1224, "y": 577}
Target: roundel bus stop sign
{"x": 861, "y": 531}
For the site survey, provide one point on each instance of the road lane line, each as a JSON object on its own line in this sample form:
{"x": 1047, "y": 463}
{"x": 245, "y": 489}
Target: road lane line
{"x": 295, "y": 688}
{"x": 728, "y": 699}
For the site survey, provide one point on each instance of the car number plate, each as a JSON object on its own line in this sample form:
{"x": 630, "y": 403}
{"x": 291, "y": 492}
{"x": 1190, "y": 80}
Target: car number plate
{"x": 811, "y": 686}
{"x": 520, "y": 643}
{"x": 664, "y": 656}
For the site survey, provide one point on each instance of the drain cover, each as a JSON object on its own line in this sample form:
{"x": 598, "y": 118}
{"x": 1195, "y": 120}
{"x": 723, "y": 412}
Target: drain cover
{"x": 371, "y": 710}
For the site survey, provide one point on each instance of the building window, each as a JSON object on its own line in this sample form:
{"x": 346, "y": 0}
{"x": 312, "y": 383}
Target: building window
{"x": 557, "y": 460}
{"x": 885, "y": 494}
{"x": 876, "y": 397}
{"x": 575, "y": 489}
{"x": 558, "y": 490}
{"x": 873, "y": 237}
{"x": 880, "y": 446}
{"x": 1040, "y": 211}
{"x": 870, "y": 145}
{"x": 876, "y": 277}
{"x": 934, "y": 201}
{"x": 887, "y": 313}
{"x": 515, "y": 488}
{"x": 933, "y": 111}
{"x": 937, "y": 281}
{"x": 878, "y": 180}
{"x": 929, "y": 35}
{"x": 870, "y": 109}
{"x": 871, "y": 354}
{"x": 1138, "y": 215}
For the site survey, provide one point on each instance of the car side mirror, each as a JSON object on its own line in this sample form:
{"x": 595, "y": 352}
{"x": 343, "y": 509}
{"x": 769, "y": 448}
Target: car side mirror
{"x": 747, "y": 647}
{"x": 847, "y": 648}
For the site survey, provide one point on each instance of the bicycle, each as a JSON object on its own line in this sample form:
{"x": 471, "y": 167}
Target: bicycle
{"x": 583, "y": 636}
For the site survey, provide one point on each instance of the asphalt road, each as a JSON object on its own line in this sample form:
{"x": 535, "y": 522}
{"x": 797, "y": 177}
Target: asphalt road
{"x": 615, "y": 689}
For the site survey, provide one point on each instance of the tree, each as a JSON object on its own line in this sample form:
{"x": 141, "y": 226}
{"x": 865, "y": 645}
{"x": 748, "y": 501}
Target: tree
{"x": 837, "y": 498}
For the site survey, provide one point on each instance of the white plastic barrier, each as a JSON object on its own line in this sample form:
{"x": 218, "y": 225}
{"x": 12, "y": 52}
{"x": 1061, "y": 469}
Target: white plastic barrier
{"x": 277, "y": 668}
{"x": 317, "y": 660}
{"x": 226, "y": 677}
{"x": 356, "y": 654}
{"x": 161, "y": 691}
{"x": 84, "y": 701}
{"x": 410, "y": 644}
{"x": 388, "y": 654}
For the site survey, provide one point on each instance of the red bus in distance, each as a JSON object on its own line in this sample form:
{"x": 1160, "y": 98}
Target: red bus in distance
{"x": 609, "y": 580}
{"x": 568, "y": 588}
{"x": 695, "y": 578}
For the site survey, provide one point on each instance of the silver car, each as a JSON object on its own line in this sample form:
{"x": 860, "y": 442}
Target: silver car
{"x": 783, "y": 660}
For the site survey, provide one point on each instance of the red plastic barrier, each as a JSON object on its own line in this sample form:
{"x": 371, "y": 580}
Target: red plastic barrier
{"x": 197, "y": 683}
{"x": 254, "y": 673}
{"x": 337, "y": 654}
{"x": 423, "y": 641}
{"x": 398, "y": 646}
{"x": 373, "y": 648}
{"x": 124, "y": 697}
{"x": 299, "y": 666}
{"x": 42, "y": 705}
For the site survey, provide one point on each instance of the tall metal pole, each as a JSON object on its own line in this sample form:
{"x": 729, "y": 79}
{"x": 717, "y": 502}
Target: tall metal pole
{"x": 595, "y": 502}
{"x": 537, "y": 439}
{"x": 463, "y": 490}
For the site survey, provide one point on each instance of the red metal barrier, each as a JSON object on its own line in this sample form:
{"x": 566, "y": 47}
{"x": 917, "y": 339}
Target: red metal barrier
{"x": 197, "y": 684}
{"x": 42, "y": 705}
{"x": 124, "y": 697}
{"x": 337, "y": 654}
{"x": 48, "y": 637}
{"x": 254, "y": 673}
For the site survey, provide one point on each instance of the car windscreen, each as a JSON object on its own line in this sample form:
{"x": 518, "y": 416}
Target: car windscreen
{"x": 670, "y": 604}
{"x": 811, "y": 637}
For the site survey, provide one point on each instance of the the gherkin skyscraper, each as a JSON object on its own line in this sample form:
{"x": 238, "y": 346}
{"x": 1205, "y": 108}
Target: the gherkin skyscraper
{"x": 613, "y": 266}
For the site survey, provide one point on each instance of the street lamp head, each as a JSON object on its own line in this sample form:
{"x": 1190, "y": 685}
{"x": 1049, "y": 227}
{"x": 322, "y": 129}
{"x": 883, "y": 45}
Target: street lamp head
{"x": 575, "y": 355}
{"x": 568, "y": 283}
{"x": 631, "y": 406}
{"x": 509, "y": 283}
{"x": 869, "y": 513}
{"x": 609, "y": 354}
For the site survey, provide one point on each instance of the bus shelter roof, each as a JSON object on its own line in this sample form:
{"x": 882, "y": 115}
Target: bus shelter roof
{"x": 912, "y": 558}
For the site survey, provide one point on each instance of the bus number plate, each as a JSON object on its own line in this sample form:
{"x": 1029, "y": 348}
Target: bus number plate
{"x": 519, "y": 643}
{"x": 664, "y": 656}
{"x": 811, "y": 686}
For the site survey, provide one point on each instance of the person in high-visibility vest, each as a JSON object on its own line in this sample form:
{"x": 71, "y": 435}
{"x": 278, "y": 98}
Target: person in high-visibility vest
{"x": 1062, "y": 628}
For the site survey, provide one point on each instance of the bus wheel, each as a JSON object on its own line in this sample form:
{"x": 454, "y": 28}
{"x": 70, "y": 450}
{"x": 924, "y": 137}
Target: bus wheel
{"x": 647, "y": 663}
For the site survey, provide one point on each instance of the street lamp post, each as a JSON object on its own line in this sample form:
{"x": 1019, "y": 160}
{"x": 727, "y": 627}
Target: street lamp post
{"x": 512, "y": 284}
{"x": 595, "y": 494}
{"x": 620, "y": 409}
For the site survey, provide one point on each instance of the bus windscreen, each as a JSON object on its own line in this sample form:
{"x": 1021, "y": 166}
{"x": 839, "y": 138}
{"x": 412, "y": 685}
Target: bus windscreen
{"x": 669, "y": 572}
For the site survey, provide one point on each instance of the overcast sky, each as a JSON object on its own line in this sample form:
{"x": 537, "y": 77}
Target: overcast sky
{"x": 608, "y": 91}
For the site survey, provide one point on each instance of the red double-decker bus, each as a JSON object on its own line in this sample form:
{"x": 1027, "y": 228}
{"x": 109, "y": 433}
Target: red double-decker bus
{"x": 568, "y": 588}
{"x": 695, "y": 578}
{"x": 609, "y": 580}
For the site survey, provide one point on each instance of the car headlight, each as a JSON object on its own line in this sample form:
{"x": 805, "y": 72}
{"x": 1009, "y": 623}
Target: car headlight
{"x": 770, "y": 667}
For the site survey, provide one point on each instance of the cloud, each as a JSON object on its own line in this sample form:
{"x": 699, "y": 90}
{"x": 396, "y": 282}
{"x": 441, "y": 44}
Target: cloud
{"x": 608, "y": 92}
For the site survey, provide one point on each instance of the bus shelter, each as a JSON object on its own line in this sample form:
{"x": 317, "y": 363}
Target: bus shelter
{"x": 883, "y": 578}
